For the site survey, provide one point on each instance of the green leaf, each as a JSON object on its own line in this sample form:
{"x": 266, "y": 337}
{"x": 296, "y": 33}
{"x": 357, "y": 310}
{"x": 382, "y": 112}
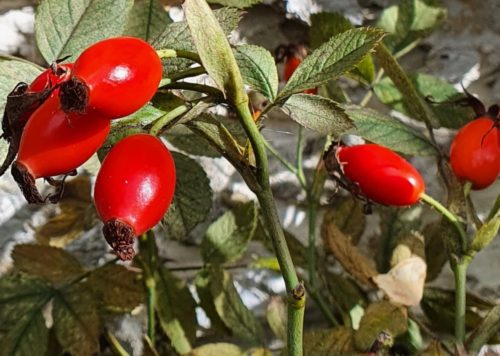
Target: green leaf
{"x": 65, "y": 28}
{"x": 50, "y": 263}
{"x": 276, "y": 315}
{"x": 258, "y": 69}
{"x": 378, "y": 317}
{"x": 436, "y": 307}
{"x": 389, "y": 132}
{"x": 446, "y": 110}
{"x": 176, "y": 310}
{"x": 202, "y": 283}
{"x": 214, "y": 50}
{"x": 225, "y": 136}
{"x": 344, "y": 291}
{"x": 76, "y": 321}
{"x": 226, "y": 238}
{"x": 409, "y": 22}
{"x": 340, "y": 54}
{"x": 435, "y": 249}
{"x": 417, "y": 107}
{"x": 230, "y": 307}
{"x": 192, "y": 199}
{"x": 317, "y": 113}
{"x": 484, "y": 236}
{"x": 147, "y": 20}
{"x": 218, "y": 349}
{"x": 240, "y": 4}
{"x": 485, "y": 331}
{"x": 186, "y": 140}
{"x": 28, "y": 337}
{"x": 324, "y": 25}
{"x": 20, "y": 296}
{"x": 129, "y": 125}
{"x": 338, "y": 341}
{"x": 116, "y": 287}
{"x": 177, "y": 36}
{"x": 348, "y": 215}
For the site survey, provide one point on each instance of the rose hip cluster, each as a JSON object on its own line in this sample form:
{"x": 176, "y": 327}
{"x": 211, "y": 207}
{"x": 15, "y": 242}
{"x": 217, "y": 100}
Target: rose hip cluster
{"x": 61, "y": 119}
{"x": 374, "y": 173}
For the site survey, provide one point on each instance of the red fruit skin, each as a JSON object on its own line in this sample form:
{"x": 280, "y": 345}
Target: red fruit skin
{"x": 48, "y": 78}
{"x": 136, "y": 182}
{"x": 383, "y": 176}
{"x": 291, "y": 65}
{"x": 122, "y": 74}
{"x": 475, "y": 153}
{"x": 55, "y": 143}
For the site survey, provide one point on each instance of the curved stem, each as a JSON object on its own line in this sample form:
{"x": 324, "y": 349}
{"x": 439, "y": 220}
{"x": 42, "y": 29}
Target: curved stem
{"x": 295, "y": 289}
{"x": 451, "y": 218}
{"x": 172, "y": 53}
{"x": 280, "y": 158}
{"x": 165, "y": 119}
{"x": 191, "y": 72}
{"x": 201, "y": 88}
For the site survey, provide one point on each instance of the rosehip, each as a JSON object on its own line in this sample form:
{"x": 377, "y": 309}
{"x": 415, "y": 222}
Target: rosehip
{"x": 114, "y": 78}
{"x": 475, "y": 152}
{"x": 55, "y": 143}
{"x": 133, "y": 190}
{"x": 380, "y": 174}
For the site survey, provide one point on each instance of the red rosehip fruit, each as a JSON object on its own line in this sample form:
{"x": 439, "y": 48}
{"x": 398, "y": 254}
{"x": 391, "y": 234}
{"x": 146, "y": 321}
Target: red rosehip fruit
{"x": 133, "y": 190}
{"x": 475, "y": 152}
{"x": 55, "y": 143}
{"x": 113, "y": 78}
{"x": 380, "y": 174}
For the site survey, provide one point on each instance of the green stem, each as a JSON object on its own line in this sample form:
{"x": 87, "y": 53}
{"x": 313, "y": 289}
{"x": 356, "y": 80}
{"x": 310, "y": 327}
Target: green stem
{"x": 165, "y": 119}
{"x": 201, "y": 88}
{"x": 300, "y": 148}
{"x": 171, "y": 53}
{"x": 451, "y": 218}
{"x": 115, "y": 344}
{"x": 280, "y": 158}
{"x": 311, "y": 247}
{"x": 460, "y": 272}
{"x": 149, "y": 263}
{"x": 295, "y": 289}
{"x": 191, "y": 72}
{"x": 151, "y": 291}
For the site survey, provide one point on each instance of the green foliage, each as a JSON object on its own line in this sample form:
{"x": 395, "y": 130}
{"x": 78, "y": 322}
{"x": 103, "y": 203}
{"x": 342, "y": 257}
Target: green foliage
{"x": 258, "y": 69}
{"x": 331, "y": 59}
{"x": 192, "y": 200}
{"x": 66, "y": 29}
{"x": 389, "y": 132}
{"x": 444, "y": 98}
{"x": 147, "y": 20}
{"x": 409, "y": 22}
{"x": 319, "y": 114}
{"x": 226, "y": 239}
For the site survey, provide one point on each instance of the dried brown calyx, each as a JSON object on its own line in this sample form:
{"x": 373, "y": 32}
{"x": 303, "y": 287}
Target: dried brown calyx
{"x": 120, "y": 236}
{"x": 26, "y": 183}
{"x": 74, "y": 96}
{"x": 19, "y": 106}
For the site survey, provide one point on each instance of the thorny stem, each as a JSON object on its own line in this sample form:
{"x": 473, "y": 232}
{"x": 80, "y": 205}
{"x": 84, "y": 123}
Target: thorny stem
{"x": 165, "y": 119}
{"x": 295, "y": 289}
{"x": 451, "y": 218}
